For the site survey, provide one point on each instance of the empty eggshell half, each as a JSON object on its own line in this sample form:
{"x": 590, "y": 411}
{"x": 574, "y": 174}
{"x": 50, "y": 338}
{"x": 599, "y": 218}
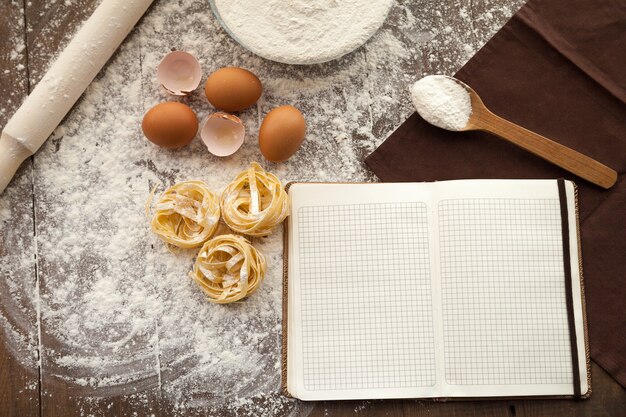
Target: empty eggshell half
{"x": 179, "y": 73}
{"x": 222, "y": 133}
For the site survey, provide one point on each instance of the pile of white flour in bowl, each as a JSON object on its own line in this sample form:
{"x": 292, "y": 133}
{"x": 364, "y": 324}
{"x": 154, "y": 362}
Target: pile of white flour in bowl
{"x": 302, "y": 31}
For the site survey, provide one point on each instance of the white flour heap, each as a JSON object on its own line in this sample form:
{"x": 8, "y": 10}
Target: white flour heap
{"x": 442, "y": 102}
{"x": 302, "y": 31}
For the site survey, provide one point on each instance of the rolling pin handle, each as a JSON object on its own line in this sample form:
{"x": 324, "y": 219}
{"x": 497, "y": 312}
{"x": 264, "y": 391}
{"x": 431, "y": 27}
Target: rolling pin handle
{"x": 12, "y": 154}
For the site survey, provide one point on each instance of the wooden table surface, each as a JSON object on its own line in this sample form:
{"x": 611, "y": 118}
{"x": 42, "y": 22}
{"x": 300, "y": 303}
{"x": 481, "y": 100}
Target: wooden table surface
{"x": 31, "y": 33}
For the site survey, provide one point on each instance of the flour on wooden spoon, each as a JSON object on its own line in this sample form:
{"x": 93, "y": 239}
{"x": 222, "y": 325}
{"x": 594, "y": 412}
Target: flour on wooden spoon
{"x": 442, "y": 102}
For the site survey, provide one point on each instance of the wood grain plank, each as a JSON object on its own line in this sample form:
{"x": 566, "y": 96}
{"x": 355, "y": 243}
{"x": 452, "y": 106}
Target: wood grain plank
{"x": 44, "y": 42}
{"x": 64, "y": 393}
{"x": 19, "y": 370}
{"x": 387, "y": 408}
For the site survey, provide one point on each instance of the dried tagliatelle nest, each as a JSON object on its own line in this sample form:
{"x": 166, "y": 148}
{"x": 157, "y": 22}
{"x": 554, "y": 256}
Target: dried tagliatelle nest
{"x": 255, "y": 202}
{"x": 186, "y": 214}
{"x": 228, "y": 268}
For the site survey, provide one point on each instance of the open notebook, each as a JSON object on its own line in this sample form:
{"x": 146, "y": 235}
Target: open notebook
{"x": 454, "y": 289}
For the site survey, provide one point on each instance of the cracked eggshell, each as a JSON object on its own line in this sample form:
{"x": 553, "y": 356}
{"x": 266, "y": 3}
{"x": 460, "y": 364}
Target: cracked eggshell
{"x": 179, "y": 73}
{"x": 222, "y": 133}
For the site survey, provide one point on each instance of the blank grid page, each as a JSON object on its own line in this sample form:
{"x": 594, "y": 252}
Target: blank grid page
{"x": 503, "y": 292}
{"x": 365, "y": 296}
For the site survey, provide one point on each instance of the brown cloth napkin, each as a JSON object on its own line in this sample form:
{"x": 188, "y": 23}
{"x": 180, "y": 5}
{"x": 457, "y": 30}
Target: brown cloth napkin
{"x": 558, "y": 68}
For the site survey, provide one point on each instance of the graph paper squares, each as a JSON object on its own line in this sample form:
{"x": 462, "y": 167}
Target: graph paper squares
{"x": 367, "y": 317}
{"x": 503, "y": 292}
{"x": 366, "y": 296}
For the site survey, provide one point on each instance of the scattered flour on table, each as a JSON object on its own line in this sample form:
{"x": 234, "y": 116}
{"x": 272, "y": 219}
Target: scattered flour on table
{"x": 441, "y": 101}
{"x": 302, "y": 31}
{"x": 119, "y": 315}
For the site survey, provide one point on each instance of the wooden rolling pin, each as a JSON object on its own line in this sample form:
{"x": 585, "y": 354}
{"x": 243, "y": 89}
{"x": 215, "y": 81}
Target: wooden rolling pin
{"x": 65, "y": 82}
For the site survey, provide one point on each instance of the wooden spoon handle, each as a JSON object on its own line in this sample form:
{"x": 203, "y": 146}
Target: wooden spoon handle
{"x": 568, "y": 159}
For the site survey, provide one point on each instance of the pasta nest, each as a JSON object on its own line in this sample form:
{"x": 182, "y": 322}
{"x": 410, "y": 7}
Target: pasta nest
{"x": 228, "y": 268}
{"x": 254, "y": 202}
{"x": 186, "y": 214}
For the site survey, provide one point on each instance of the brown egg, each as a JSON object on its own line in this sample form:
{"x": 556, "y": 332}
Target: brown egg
{"x": 281, "y": 133}
{"x": 170, "y": 125}
{"x": 233, "y": 89}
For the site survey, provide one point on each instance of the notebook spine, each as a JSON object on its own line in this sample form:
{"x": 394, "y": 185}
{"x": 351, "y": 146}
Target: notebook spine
{"x": 284, "y": 324}
{"x": 582, "y": 295}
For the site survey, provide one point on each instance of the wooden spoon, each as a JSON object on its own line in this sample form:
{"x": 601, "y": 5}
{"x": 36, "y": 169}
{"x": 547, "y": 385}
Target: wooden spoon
{"x": 575, "y": 162}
